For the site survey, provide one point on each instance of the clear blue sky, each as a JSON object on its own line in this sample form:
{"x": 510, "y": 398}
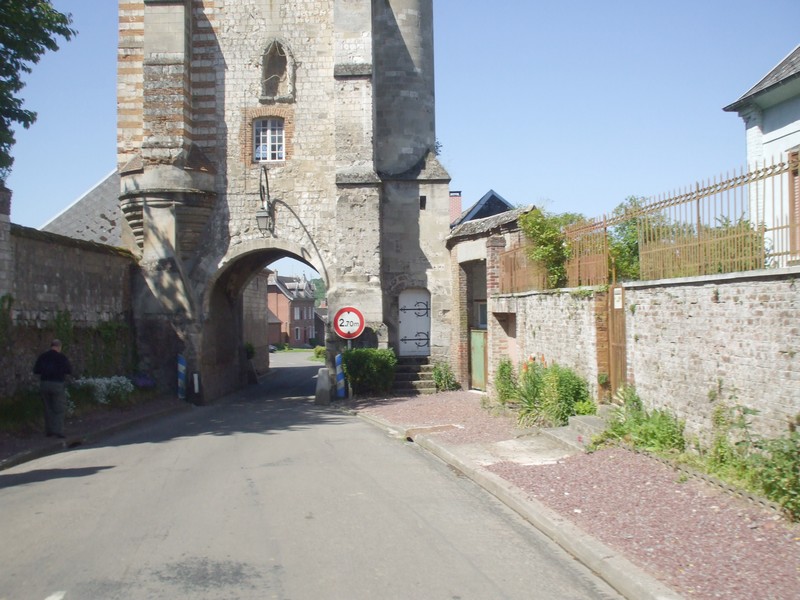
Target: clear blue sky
{"x": 570, "y": 105}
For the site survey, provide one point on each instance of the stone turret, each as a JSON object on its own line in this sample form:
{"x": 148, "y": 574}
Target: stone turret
{"x": 405, "y": 128}
{"x": 167, "y": 179}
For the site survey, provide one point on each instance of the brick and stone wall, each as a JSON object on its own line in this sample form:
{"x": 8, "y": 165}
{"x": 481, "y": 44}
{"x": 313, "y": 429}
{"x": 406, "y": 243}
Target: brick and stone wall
{"x": 690, "y": 343}
{"x": 693, "y": 344}
{"x": 73, "y": 289}
{"x": 561, "y": 326}
{"x": 256, "y": 313}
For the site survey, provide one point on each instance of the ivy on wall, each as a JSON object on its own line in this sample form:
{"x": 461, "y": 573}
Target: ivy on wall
{"x": 63, "y": 327}
{"x": 102, "y": 350}
{"x": 110, "y": 348}
{"x": 6, "y": 302}
{"x": 546, "y": 231}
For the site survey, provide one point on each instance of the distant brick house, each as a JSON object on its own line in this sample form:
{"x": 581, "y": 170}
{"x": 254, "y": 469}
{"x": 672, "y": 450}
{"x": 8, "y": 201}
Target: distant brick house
{"x": 290, "y": 301}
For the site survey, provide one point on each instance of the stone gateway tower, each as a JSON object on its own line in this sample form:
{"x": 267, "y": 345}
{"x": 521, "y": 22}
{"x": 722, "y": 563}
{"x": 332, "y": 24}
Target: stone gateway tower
{"x": 251, "y": 130}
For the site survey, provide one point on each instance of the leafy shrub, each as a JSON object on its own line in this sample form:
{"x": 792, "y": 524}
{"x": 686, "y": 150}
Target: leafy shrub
{"x": 777, "y": 465}
{"x": 585, "y": 407}
{"x": 549, "y": 247}
{"x": 23, "y": 413}
{"x": 730, "y": 444}
{"x": 769, "y": 466}
{"x": 319, "y": 352}
{"x": 661, "y": 431}
{"x": 548, "y": 394}
{"x": 562, "y": 388}
{"x": 369, "y": 370}
{"x": 656, "y": 431}
{"x": 529, "y": 389}
{"x": 623, "y": 240}
{"x": 444, "y": 378}
{"x": 505, "y": 382}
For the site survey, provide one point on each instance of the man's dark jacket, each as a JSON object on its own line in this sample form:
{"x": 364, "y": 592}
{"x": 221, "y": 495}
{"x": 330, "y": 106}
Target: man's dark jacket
{"x": 52, "y": 366}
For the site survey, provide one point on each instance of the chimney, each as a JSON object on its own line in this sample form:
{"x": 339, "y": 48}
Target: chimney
{"x": 455, "y": 205}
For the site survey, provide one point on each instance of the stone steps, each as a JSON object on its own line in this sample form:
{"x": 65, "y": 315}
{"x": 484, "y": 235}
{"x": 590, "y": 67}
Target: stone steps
{"x": 413, "y": 376}
{"x": 581, "y": 429}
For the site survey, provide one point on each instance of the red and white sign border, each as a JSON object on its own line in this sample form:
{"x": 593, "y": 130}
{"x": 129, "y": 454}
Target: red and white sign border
{"x": 348, "y": 322}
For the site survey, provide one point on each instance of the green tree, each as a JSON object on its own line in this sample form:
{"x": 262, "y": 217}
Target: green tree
{"x": 550, "y": 248}
{"x": 623, "y": 239}
{"x": 28, "y": 28}
{"x": 319, "y": 291}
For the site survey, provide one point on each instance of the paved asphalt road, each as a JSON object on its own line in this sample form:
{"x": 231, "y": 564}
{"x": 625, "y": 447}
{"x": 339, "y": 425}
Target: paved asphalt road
{"x": 267, "y": 496}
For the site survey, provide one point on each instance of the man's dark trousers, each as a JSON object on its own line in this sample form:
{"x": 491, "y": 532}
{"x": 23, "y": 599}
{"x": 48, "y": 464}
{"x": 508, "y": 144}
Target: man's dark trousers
{"x": 54, "y": 398}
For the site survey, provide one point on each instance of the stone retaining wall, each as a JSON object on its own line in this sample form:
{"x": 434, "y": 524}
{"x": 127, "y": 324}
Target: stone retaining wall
{"x": 690, "y": 343}
{"x": 72, "y": 289}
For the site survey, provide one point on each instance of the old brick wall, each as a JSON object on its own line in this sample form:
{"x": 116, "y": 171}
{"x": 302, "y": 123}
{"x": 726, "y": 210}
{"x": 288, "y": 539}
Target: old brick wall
{"x": 459, "y": 317}
{"x": 76, "y": 290}
{"x": 694, "y": 344}
{"x": 255, "y": 314}
{"x": 690, "y": 343}
{"x": 561, "y": 327}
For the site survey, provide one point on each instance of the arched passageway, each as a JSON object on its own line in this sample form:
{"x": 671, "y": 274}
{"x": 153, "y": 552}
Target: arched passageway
{"x": 238, "y": 319}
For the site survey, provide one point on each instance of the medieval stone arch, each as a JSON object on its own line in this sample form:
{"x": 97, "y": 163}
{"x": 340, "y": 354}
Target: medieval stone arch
{"x": 356, "y": 190}
{"x": 220, "y": 339}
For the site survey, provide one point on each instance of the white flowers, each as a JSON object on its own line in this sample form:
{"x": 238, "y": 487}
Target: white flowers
{"x": 105, "y": 389}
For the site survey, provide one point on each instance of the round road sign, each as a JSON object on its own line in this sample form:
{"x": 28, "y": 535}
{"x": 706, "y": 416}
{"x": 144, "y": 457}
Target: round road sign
{"x": 348, "y": 323}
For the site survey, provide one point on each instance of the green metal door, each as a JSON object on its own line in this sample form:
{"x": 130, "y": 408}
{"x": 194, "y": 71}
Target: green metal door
{"x": 477, "y": 359}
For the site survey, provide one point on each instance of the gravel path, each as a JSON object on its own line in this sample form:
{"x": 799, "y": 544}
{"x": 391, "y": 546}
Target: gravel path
{"x": 699, "y": 540}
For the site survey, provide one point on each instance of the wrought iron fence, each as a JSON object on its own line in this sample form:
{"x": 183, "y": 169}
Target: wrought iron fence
{"x": 589, "y": 260}
{"x": 519, "y": 273}
{"x": 739, "y": 222}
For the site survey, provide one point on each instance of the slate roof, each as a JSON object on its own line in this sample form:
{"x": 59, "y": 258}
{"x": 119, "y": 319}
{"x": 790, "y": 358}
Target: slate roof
{"x": 490, "y": 204}
{"x": 94, "y": 217}
{"x": 786, "y": 70}
{"x": 478, "y": 227}
{"x": 294, "y": 288}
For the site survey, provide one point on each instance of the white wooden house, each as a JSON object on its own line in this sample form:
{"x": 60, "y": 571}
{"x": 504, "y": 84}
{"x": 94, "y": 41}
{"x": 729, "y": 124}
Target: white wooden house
{"x": 771, "y": 113}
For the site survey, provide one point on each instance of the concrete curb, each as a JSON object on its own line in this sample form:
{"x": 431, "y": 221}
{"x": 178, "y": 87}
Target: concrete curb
{"x": 616, "y": 570}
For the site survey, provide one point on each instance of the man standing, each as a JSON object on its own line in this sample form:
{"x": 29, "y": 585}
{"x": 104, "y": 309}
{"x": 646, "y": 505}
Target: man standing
{"x": 52, "y": 367}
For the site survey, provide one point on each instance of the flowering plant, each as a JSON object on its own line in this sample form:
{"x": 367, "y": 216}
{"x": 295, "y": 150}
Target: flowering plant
{"x": 104, "y": 390}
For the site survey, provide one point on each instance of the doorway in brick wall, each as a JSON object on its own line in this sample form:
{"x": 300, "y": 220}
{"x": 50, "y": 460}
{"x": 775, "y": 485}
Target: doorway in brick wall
{"x": 617, "y": 359}
{"x": 477, "y": 359}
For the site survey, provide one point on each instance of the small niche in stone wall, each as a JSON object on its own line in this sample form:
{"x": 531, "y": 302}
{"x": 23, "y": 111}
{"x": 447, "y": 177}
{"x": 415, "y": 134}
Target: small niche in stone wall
{"x": 277, "y": 74}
